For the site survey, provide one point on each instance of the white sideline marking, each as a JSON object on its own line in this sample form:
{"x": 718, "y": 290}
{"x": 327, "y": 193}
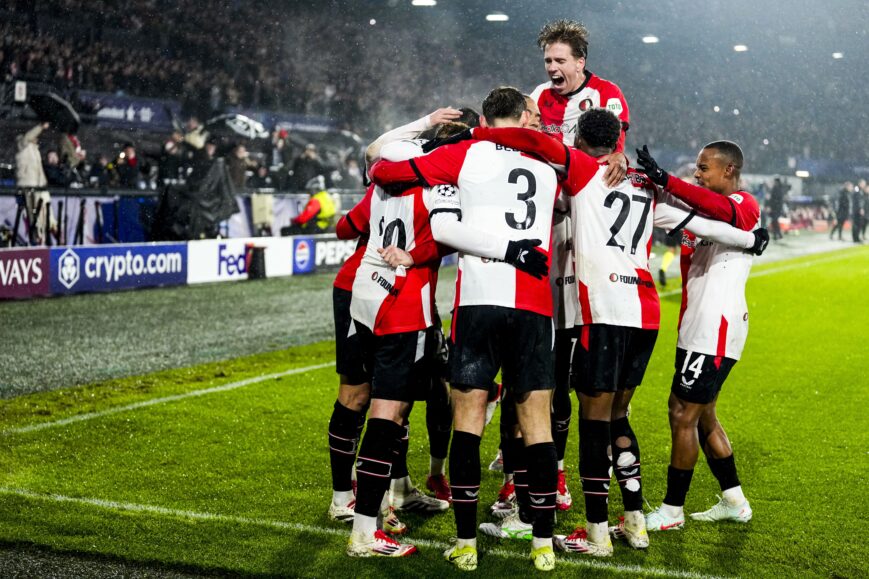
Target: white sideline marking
{"x": 300, "y": 528}
{"x": 146, "y": 403}
{"x": 773, "y": 270}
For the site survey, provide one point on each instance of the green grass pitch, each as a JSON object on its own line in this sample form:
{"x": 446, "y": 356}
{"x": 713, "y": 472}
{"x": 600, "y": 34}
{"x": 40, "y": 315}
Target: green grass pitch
{"x": 214, "y": 469}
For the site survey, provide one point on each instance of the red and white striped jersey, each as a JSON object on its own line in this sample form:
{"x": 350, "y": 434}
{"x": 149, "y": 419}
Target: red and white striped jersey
{"x": 612, "y": 236}
{"x": 562, "y": 274}
{"x": 503, "y": 192}
{"x": 559, "y": 114}
{"x": 612, "y": 228}
{"x": 387, "y": 300}
{"x": 714, "y": 315}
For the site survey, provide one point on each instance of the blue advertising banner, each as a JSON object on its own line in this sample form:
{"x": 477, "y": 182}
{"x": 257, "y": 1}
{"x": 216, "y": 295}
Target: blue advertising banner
{"x": 115, "y": 267}
{"x": 123, "y": 111}
{"x": 304, "y": 260}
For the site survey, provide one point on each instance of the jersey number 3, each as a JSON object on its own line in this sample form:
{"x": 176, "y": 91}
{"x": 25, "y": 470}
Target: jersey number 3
{"x": 624, "y": 211}
{"x": 530, "y": 209}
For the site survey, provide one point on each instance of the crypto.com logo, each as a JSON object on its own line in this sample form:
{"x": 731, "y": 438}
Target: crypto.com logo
{"x": 68, "y": 270}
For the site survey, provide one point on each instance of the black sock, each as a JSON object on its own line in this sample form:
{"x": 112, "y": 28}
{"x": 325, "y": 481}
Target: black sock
{"x": 399, "y": 465}
{"x": 594, "y": 468}
{"x": 562, "y": 410}
{"x": 508, "y": 422}
{"x": 379, "y": 449}
{"x": 678, "y": 481}
{"x": 520, "y": 478}
{"x": 626, "y": 464}
{"x": 465, "y": 482}
{"x": 439, "y": 422}
{"x": 724, "y": 469}
{"x": 542, "y": 486}
{"x": 343, "y": 443}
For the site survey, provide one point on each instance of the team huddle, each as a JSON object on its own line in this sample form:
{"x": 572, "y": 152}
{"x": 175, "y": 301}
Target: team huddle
{"x": 554, "y": 290}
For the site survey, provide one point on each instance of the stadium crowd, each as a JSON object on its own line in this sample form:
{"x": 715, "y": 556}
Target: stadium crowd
{"x": 212, "y": 55}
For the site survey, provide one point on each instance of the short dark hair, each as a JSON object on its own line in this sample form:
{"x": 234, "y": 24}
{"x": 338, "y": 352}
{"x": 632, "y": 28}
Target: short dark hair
{"x": 730, "y": 150}
{"x": 470, "y": 117}
{"x": 569, "y": 32}
{"x": 504, "y": 102}
{"x": 599, "y": 127}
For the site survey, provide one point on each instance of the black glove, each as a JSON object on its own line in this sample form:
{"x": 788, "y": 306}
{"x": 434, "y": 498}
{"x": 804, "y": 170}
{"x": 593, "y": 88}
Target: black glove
{"x": 761, "y": 240}
{"x": 650, "y": 167}
{"x": 523, "y": 256}
{"x": 458, "y": 137}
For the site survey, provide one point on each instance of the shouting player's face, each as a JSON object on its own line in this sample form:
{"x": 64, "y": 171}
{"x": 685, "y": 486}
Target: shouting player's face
{"x": 565, "y": 71}
{"x": 714, "y": 171}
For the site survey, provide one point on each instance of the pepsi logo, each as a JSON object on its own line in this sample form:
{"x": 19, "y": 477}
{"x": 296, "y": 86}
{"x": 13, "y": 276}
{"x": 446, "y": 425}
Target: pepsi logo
{"x": 303, "y": 254}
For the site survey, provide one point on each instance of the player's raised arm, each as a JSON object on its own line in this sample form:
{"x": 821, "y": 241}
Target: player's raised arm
{"x": 410, "y": 131}
{"x": 724, "y": 205}
{"x": 671, "y": 214}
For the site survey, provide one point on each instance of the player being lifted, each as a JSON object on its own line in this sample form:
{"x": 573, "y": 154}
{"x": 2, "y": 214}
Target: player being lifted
{"x": 502, "y": 317}
{"x": 713, "y": 326}
{"x": 618, "y": 314}
{"x": 571, "y": 90}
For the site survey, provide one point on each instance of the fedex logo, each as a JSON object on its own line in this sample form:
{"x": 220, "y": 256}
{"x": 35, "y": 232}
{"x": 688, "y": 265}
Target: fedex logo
{"x": 230, "y": 263}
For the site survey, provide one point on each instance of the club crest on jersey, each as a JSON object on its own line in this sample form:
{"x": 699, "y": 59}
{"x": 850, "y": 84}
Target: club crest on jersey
{"x": 737, "y": 197}
{"x": 585, "y": 104}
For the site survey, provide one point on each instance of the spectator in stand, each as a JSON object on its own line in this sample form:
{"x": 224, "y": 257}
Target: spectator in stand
{"x": 843, "y": 208}
{"x": 30, "y": 176}
{"x": 100, "y": 175}
{"x": 56, "y": 174}
{"x": 72, "y": 155}
{"x": 261, "y": 179}
{"x": 306, "y": 166}
{"x": 319, "y": 213}
{"x": 352, "y": 174}
{"x": 127, "y": 167}
{"x": 238, "y": 162}
{"x": 170, "y": 162}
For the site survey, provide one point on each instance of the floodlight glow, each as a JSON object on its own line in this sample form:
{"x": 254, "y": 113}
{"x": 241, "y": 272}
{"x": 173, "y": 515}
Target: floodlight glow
{"x": 838, "y": 55}
{"x": 650, "y": 39}
{"x": 716, "y": 108}
{"x": 803, "y": 174}
{"x": 740, "y": 48}
{"x": 424, "y": 2}
{"x": 736, "y": 112}
{"x": 372, "y": 22}
{"x": 766, "y": 141}
{"x": 497, "y": 17}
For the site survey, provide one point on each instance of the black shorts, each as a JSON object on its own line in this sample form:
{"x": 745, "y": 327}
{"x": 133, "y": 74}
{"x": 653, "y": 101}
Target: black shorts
{"x": 611, "y": 358}
{"x": 400, "y": 368}
{"x": 432, "y": 371}
{"x": 353, "y": 342}
{"x": 486, "y": 338}
{"x": 564, "y": 340}
{"x": 699, "y": 377}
